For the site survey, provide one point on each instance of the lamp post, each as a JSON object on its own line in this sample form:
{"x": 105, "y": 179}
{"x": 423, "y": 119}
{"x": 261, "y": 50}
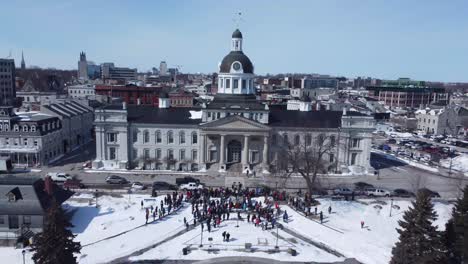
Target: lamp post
{"x": 96, "y": 194}
{"x": 24, "y": 256}
{"x": 201, "y": 234}
{"x": 391, "y": 206}
{"x": 276, "y": 247}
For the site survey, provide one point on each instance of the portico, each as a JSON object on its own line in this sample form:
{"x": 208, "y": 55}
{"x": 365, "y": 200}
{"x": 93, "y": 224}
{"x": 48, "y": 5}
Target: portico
{"x": 234, "y": 144}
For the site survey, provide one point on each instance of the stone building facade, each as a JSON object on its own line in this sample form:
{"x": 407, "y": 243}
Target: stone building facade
{"x": 235, "y": 133}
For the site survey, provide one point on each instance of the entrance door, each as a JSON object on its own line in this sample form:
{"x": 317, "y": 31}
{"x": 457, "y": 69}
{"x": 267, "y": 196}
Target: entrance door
{"x": 13, "y": 222}
{"x": 234, "y": 151}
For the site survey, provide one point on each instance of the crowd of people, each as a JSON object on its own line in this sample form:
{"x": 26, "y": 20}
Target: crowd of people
{"x": 210, "y": 207}
{"x": 171, "y": 202}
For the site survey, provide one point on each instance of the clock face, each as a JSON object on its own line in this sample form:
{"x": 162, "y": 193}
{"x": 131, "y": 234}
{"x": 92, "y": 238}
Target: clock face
{"x": 236, "y": 66}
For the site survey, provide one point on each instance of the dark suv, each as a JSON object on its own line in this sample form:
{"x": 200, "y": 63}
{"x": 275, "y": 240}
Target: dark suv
{"x": 164, "y": 186}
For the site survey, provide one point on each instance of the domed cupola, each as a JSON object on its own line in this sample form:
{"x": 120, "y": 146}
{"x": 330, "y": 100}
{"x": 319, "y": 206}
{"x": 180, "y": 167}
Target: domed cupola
{"x": 236, "y": 71}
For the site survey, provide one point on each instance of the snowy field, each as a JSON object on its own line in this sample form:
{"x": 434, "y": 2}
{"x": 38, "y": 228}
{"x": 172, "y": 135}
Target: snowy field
{"x": 117, "y": 229}
{"x": 342, "y": 228}
{"x": 261, "y": 240}
{"x": 459, "y": 163}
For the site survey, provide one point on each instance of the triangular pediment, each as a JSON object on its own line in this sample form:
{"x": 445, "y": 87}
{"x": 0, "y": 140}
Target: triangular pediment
{"x": 235, "y": 122}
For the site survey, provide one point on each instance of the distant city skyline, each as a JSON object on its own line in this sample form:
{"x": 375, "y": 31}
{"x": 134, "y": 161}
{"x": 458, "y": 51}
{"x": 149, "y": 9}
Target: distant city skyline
{"x": 422, "y": 40}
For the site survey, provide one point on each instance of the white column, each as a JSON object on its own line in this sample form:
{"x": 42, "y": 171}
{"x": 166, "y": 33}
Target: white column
{"x": 265, "y": 155}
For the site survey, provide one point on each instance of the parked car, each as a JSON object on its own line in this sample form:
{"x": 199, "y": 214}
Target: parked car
{"x": 402, "y": 193}
{"x": 342, "y": 191}
{"x": 377, "y": 192}
{"x": 73, "y": 184}
{"x": 138, "y": 186}
{"x": 191, "y": 186}
{"x": 163, "y": 186}
{"x": 59, "y": 176}
{"x": 114, "y": 179}
{"x": 360, "y": 187}
{"x": 185, "y": 180}
{"x": 431, "y": 193}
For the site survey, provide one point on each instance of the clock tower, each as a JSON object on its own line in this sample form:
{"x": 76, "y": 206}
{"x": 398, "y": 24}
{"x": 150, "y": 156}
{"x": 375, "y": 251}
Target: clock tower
{"x": 236, "y": 71}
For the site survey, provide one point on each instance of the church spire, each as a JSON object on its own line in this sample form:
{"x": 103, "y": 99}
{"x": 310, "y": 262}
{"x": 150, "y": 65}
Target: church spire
{"x": 23, "y": 64}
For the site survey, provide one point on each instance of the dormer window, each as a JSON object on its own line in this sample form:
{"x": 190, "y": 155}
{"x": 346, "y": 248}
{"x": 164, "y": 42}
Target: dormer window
{"x": 16, "y": 128}
{"x": 33, "y": 128}
{"x": 11, "y": 197}
{"x": 25, "y": 128}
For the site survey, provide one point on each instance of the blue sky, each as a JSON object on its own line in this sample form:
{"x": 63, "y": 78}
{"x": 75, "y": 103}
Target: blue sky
{"x": 424, "y": 40}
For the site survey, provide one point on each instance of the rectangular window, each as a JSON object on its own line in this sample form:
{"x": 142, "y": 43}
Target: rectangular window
{"x": 213, "y": 155}
{"x": 26, "y": 219}
{"x": 308, "y": 140}
{"x": 135, "y": 136}
{"x": 158, "y": 153}
{"x": 2, "y": 219}
{"x": 146, "y": 153}
{"x": 221, "y": 82}
{"x": 182, "y": 154}
{"x": 353, "y": 158}
{"x": 35, "y": 142}
{"x": 253, "y": 156}
{"x": 194, "y": 155}
{"x": 112, "y": 154}
{"x": 235, "y": 83}
{"x": 332, "y": 140}
{"x": 111, "y": 137}
{"x": 158, "y": 137}
{"x": 355, "y": 143}
{"x": 228, "y": 83}
{"x": 194, "y": 138}
{"x": 134, "y": 154}
{"x": 170, "y": 154}
{"x": 244, "y": 84}
{"x": 332, "y": 157}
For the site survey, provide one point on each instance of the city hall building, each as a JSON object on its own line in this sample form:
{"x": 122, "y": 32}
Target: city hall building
{"x": 235, "y": 133}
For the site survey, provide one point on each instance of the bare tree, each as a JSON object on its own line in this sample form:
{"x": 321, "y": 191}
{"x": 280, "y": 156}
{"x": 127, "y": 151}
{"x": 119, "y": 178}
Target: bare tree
{"x": 307, "y": 158}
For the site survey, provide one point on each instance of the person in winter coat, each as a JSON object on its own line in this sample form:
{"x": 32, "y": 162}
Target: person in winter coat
{"x": 285, "y": 217}
{"x": 224, "y": 236}
{"x": 228, "y": 236}
{"x": 329, "y": 209}
{"x": 321, "y": 217}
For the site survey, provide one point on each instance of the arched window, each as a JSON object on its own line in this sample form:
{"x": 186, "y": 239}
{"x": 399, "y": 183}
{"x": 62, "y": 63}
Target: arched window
{"x": 25, "y": 128}
{"x": 146, "y": 136}
{"x": 158, "y": 137}
{"x": 194, "y": 138}
{"x": 181, "y": 137}
{"x": 170, "y": 137}
{"x": 16, "y": 128}
{"x": 33, "y": 128}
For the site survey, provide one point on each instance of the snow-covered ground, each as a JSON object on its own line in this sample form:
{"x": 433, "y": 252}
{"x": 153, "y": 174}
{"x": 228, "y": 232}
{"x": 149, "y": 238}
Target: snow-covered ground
{"x": 342, "y": 229}
{"x": 459, "y": 163}
{"x": 341, "y": 232}
{"x": 261, "y": 240}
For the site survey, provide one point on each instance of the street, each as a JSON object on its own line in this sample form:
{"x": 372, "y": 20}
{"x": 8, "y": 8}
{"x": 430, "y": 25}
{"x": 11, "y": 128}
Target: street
{"x": 392, "y": 174}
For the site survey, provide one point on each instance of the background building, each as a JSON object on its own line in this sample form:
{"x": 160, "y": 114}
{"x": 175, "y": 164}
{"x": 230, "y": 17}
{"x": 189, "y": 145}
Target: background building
{"x": 83, "y": 67}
